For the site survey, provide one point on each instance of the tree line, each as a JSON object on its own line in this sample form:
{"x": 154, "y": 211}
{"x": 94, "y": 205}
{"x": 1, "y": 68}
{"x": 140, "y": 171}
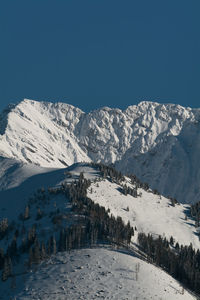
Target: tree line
{"x": 195, "y": 213}
{"x": 181, "y": 262}
{"x": 93, "y": 225}
{"x": 108, "y": 172}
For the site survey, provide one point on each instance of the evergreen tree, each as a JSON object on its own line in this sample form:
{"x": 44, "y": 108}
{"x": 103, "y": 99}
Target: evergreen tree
{"x": 3, "y": 227}
{"x": 31, "y": 258}
{"x": 43, "y": 253}
{"x": 27, "y": 212}
{"x": 36, "y": 252}
{"x": 1, "y": 258}
{"x": 7, "y": 269}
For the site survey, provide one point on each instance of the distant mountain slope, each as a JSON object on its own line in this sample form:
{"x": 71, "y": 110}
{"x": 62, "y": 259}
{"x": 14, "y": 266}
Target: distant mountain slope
{"x": 14, "y": 172}
{"x": 41, "y": 133}
{"x": 159, "y": 143}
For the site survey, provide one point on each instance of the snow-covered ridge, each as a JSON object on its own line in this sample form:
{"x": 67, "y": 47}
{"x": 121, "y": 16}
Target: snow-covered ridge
{"x": 97, "y": 274}
{"x": 93, "y": 273}
{"x": 158, "y": 142}
{"x": 148, "y": 212}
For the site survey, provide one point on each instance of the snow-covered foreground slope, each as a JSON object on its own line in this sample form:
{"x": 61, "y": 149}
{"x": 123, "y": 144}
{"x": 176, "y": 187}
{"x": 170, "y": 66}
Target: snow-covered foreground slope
{"x": 158, "y": 142}
{"x": 96, "y": 274}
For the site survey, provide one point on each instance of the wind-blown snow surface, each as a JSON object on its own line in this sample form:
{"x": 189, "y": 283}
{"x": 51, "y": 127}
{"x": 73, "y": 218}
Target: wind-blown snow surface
{"x": 96, "y": 274}
{"x": 13, "y": 172}
{"x": 159, "y": 143}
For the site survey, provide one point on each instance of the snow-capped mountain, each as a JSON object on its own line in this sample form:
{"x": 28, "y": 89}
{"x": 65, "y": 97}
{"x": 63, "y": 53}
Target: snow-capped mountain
{"x": 158, "y": 142}
{"x": 41, "y": 133}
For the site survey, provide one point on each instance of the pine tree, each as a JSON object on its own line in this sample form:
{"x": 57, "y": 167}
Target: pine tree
{"x": 3, "y": 227}
{"x": 36, "y": 252}
{"x": 12, "y": 249}
{"x": 31, "y": 258}
{"x": 49, "y": 247}
{"x": 54, "y": 246}
{"x": 171, "y": 241}
{"x": 7, "y": 269}
{"x": 43, "y": 254}
{"x": 39, "y": 214}
{"x": 27, "y": 213}
{"x": 1, "y": 258}
{"x": 62, "y": 245}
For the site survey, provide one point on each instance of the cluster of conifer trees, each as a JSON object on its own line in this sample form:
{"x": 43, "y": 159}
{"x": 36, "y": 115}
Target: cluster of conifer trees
{"x": 94, "y": 225}
{"x": 138, "y": 183}
{"x": 128, "y": 190}
{"x": 109, "y": 171}
{"x": 181, "y": 262}
{"x": 3, "y": 227}
{"x": 98, "y": 225}
{"x": 195, "y": 213}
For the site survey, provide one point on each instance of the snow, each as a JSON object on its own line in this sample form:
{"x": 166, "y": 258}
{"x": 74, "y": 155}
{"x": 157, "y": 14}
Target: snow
{"x": 159, "y": 143}
{"x": 42, "y": 133}
{"x": 96, "y": 274}
{"x": 20, "y": 181}
{"x": 13, "y": 172}
{"x": 149, "y": 213}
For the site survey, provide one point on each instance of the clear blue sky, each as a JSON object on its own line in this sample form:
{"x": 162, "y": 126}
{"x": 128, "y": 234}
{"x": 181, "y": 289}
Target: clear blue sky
{"x": 100, "y": 53}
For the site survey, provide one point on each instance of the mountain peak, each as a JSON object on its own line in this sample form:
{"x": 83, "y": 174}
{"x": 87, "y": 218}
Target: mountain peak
{"x": 41, "y": 133}
{"x": 158, "y": 142}
{"x": 47, "y": 105}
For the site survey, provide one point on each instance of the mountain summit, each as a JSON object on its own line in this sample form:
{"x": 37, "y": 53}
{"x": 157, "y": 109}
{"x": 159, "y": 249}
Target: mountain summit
{"x": 158, "y": 142}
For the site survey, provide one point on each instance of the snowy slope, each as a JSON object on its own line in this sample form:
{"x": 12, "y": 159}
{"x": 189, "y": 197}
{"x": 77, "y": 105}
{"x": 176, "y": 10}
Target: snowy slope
{"x": 96, "y": 274}
{"x": 13, "y": 172}
{"x": 159, "y": 143}
{"x": 41, "y": 133}
{"x": 20, "y": 181}
{"x": 14, "y": 200}
{"x": 149, "y": 213}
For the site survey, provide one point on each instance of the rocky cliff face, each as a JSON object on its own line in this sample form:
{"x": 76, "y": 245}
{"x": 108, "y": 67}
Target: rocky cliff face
{"x": 160, "y": 143}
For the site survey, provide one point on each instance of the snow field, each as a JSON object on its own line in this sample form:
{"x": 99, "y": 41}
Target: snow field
{"x": 149, "y": 213}
{"x": 97, "y": 274}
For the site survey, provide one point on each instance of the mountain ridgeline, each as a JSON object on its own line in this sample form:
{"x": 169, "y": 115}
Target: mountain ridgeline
{"x": 65, "y": 216}
{"x": 83, "y": 224}
{"x": 157, "y": 142}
